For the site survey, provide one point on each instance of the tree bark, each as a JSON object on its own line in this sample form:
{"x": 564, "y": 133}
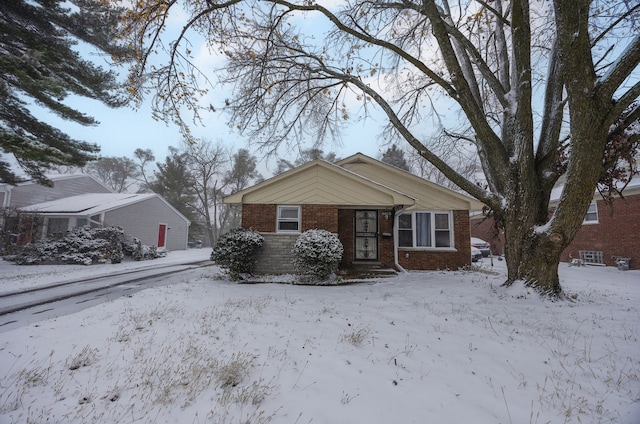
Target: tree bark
{"x": 532, "y": 257}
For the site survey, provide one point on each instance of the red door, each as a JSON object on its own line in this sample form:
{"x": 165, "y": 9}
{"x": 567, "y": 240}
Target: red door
{"x": 162, "y": 236}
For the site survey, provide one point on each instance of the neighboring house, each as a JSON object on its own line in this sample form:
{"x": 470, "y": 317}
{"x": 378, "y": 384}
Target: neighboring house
{"x": 146, "y": 216}
{"x": 608, "y": 231}
{"x": 29, "y": 192}
{"x": 383, "y": 216}
{"x": 78, "y": 200}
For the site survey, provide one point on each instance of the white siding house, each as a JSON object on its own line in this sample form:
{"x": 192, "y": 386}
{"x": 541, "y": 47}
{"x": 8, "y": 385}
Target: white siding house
{"x": 29, "y": 193}
{"x": 146, "y": 216}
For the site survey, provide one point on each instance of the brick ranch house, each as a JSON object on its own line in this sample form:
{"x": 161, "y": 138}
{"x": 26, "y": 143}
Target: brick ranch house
{"x": 608, "y": 231}
{"x": 384, "y": 217}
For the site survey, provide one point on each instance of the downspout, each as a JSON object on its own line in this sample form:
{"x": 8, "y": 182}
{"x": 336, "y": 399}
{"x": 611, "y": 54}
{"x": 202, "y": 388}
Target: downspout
{"x": 396, "y": 213}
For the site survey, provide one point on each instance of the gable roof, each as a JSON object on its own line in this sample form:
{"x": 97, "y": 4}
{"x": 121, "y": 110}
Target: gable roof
{"x": 92, "y": 204}
{"x": 63, "y": 177}
{"x": 87, "y": 204}
{"x": 358, "y": 181}
{"x": 64, "y": 185}
{"x": 632, "y": 189}
{"x": 322, "y": 183}
{"x": 429, "y": 195}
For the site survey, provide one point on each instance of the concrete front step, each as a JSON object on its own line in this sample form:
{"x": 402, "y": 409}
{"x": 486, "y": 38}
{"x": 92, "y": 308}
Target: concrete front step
{"x": 368, "y": 270}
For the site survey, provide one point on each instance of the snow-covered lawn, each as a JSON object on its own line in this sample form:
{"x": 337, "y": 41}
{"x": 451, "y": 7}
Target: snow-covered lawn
{"x": 431, "y": 347}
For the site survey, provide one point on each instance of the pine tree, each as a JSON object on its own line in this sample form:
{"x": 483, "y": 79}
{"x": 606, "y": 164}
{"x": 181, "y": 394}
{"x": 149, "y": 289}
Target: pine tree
{"x": 38, "y": 64}
{"x": 395, "y": 156}
{"x": 174, "y": 181}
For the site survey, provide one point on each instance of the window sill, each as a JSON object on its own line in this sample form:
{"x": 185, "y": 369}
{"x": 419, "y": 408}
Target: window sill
{"x": 427, "y": 249}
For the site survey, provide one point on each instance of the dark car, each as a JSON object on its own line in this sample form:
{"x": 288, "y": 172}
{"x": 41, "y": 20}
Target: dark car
{"x": 482, "y": 245}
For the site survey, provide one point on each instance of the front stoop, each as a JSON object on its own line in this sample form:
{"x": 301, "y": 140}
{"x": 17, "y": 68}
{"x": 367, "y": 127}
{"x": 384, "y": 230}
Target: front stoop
{"x": 367, "y": 269}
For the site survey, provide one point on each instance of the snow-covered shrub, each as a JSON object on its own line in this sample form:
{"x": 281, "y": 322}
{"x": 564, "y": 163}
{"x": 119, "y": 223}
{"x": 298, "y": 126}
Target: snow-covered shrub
{"x": 81, "y": 246}
{"x": 117, "y": 254}
{"x": 317, "y": 253}
{"x": 236, "y": 251}
{"x": 84, "y": 246}
{"x": 138, "y": 255}
{"x": 152, "y": 252}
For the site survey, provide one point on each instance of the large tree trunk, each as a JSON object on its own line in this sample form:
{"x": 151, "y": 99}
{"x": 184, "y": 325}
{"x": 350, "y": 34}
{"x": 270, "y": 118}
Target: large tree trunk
{"x": 531, "y": 253}
{"x": 533, "y": 257}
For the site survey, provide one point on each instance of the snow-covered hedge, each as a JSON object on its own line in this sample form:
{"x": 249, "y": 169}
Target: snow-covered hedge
{"x": 84, "y": 246}
{"x": 317, "y": 254}
{"x": 236, "y": 251}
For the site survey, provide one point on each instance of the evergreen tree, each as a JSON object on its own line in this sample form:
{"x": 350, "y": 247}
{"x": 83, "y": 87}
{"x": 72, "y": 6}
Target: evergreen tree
{"x": 243, "y": 173}
{"x": 395, "y": 156}
{"x": 305, "y": 156}
{"x": 174, "y": 181}
{"x": 38, "y": 64}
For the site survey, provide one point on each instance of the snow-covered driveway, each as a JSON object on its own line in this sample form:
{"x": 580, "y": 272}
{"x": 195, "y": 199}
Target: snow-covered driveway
{"x": 30, "y": 294}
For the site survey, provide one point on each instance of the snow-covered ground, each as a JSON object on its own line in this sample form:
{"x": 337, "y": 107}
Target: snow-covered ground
{"x": 437, "y": 347}
{"x": 20, "y": 277}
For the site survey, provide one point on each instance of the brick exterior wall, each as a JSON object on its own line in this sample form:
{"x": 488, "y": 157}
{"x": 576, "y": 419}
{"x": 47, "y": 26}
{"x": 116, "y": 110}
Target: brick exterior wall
{"x": 259, "y": 217}
{"x": 275, "y": 256}
{"x": 263, "y": 217}
{"x": 346, "y": 236}
{"x": 615, "y": 234}
{"x": 433, "y": 259}
{"x": 385, "y": 249}
{"x": 320, "y": 217}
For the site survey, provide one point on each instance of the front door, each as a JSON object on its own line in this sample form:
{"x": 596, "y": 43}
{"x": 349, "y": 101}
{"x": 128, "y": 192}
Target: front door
{"x": 366, "y": 236}
{"x": 162, "y": 236}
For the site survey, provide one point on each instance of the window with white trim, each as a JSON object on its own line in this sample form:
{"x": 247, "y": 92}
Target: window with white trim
{"x": 591, "y": 217}
{"x": 425, "y": 230}
{"x": 288, "y": 219}
{"x": 57, "y": 225}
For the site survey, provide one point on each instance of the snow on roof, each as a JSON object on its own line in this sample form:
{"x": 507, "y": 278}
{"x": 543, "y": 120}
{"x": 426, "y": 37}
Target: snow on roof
{"x": 632, "y": 188}
{"x": 88, "y": 204}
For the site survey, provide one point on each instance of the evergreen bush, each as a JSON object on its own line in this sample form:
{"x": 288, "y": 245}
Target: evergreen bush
{"x": 84, "y": 246}
{"x": 138, "y": 254}
{"x": 151, "y": 252}
{"x": 317, "y": 254}
{"x": 236, "y": 251}
{"x": 116, "y": 254}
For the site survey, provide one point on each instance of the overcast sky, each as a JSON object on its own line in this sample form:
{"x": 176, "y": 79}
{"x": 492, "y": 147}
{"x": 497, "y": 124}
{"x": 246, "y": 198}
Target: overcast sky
{"x": 123, "y": 130}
